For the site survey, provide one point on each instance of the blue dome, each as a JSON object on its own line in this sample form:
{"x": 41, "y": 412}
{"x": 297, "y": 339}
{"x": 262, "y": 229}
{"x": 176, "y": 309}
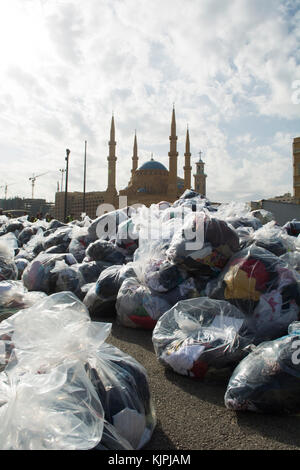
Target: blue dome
{"x": 152, "y": 165}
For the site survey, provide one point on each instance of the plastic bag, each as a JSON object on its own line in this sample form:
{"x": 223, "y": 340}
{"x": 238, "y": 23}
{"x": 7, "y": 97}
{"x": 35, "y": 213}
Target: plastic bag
{"x": 262, "y": 286}
{"x": 127, "y": 237}
{"x": 37, "y": 275}
{"x": 21, "y": 264}
{"x": 98, "y": 307}
{"x": 122, "y": 385}
{"x": 292, "y": 228}
{"x": 14, "y": 296}
{"x": 58, "y": 331}
{"x": 102, "y": 250}
{"x": 56, "y": 410}
{"x": 197, "y": 334}
{"x": 35, "y": 244}
{"x": 193, "y": 200}
{"x": 268, "y": 379}
{"x": 273, "y": 238}
{"x": 163, "y": 276}
{"x": 105, "y": 227}
{"x": 60, "y": 236}
{"x": 26, "y": 234}
{"x": 80, "y": 240}
{"x": 204, "y": 244}
{"x": 8, "y": 268}
{"x": 68, "y": 278}
{"x": 111, "y": 279}
{"x": 138, "y": 306}
{"x": 91, "y": 270}
{"x": 263, "y": 216}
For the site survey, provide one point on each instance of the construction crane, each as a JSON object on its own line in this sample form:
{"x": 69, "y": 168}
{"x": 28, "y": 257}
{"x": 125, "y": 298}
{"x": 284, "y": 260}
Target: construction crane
{"x": 5, "y": 189}
{"x": 33, "y": 178}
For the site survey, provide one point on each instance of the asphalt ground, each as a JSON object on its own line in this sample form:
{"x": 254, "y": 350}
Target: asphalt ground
{"x": 191, "y": 414}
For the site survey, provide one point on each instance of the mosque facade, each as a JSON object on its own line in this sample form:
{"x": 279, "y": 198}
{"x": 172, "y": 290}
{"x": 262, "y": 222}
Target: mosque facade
{"x": 150, "y": 183}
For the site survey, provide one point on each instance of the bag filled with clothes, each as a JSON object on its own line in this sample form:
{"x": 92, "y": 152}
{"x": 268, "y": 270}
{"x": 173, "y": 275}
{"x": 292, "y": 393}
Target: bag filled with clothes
{"x": 268, "y": 379}
{"x": 80, "y": 240}
{"x": 127, "y": 236}
{"x": 103, "y": 250}
{"x": 58, "y": 334}
{"x": 138, "y": 306}
{"x": 204, "y": 244}
{"x": 263, "y": 216}
{"x": 98, "y": 307}
{"x": 8, "y": 268}
{"x": 272, "y": 237}
{"x": 106, "y": 226}
{"x": 292, "y": 228}
{"x": 60, "y": 236}
{"x": 38, "y": 274}
{"x": 21, "y": 264}
{"x": 111, "y": 279}
{"x": 262, "y": 286}
{"x": 54, "y": 410}
{"x": 200, "y": 333}
{"x": 14, "y": 296}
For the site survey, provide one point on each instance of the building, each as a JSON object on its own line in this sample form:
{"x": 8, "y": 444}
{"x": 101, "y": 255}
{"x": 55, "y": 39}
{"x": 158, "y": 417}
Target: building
{"x": 149, "y": 183}
{"x": 286, "y": 207}
{"x": 296, "y": 168}
{"x": 28, "y": 206}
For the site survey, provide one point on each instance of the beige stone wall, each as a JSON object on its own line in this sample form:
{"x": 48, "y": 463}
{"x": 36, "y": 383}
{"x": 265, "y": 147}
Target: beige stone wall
{"x": 75, "y": 204}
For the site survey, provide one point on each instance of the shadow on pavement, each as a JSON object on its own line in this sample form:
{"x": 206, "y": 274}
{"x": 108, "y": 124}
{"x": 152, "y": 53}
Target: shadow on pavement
{"x": 283, "y": 428}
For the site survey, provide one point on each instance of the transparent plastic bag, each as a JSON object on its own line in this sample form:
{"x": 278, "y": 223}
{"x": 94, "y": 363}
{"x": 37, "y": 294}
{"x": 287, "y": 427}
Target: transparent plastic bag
{"x": 38, "y": 276}
{"x": 268, "y": 379}
{"x": 8, "y": 268}
{"x": 200, "y": 333}
{"x": 97, "y": 306}
{"x": 14, "y": 296}
{"x": 138, "y": 306}
{"x": 21, "y": 264}
{"x": 55, "y": 410}
{"x": 122, "y": 385}
{"x": 36, "y": 341}
{"x": 61, "y": 235}
{"x": 262, "y": 286}
{"x": 272, "y": 237}
{"x": 127, "y": 237}
{"x": 102, "y": 250}
{"x": 80, "y": 240}
{"x": 204, "y": 244}
{"x": 111, "y": 279}
{"x": 68, "y": 278}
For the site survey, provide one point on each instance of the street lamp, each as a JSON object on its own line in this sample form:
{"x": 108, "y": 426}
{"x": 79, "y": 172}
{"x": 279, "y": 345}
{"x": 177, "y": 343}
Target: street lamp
{"x": 66, "y": 185}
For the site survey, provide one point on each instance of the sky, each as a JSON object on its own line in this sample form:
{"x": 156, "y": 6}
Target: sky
{"x": 230, "y": 67}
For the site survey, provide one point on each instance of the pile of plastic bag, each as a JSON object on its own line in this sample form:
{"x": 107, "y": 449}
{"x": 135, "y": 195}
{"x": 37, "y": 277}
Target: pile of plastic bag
{"x": 215, "y": 284}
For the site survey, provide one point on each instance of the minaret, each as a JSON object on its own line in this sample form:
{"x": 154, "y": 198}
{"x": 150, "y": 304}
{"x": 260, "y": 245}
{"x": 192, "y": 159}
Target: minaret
{"x": 200, "y": 177}
{"x": 173, "y": 155}
{"x": 135, "y": 157}
{"x": 296, "y": 168}
{"x": 187, "y": 162}
{"x": 111, "y": 187}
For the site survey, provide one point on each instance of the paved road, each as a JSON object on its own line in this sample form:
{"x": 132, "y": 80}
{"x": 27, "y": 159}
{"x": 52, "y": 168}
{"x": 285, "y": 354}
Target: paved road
{"x": 191, "y": 414}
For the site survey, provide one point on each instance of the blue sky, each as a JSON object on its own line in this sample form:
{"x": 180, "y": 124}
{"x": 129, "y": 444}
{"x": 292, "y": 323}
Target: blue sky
{"x": 232, "y": 68}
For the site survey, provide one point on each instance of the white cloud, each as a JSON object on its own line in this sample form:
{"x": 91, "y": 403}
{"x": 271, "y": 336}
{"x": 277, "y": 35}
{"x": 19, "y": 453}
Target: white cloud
{"x": 65, "y": 67}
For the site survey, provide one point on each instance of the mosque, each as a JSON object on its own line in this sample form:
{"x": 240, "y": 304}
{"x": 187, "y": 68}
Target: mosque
{"x": 149, "y": 183}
